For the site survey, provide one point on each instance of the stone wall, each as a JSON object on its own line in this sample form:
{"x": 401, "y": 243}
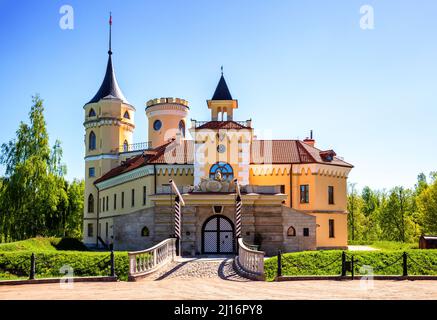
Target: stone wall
{"x": 262, "y": 225}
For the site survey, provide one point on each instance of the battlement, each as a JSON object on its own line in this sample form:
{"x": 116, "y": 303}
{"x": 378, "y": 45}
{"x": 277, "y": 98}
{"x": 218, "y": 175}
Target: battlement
{"x": 157, "y": 101}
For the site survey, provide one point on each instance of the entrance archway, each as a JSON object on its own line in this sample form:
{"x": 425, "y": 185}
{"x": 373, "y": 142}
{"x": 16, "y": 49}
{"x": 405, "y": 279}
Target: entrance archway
{"x": 218, "y": 235}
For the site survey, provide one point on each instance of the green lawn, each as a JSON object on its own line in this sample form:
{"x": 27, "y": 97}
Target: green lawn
{"x": 43, "y": 244}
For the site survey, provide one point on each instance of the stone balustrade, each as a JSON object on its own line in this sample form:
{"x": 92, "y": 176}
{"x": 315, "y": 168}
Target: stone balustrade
{"x": 145, "y": 262}
{"x": 249, "y": 263}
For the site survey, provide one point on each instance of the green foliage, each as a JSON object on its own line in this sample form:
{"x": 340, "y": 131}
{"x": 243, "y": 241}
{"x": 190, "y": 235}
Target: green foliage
{"x": 44, "y": 244}
{"x": 35, "y": 199}
{"x": 49, "y": 264}
{"x": 397, "y": 215}
{"x": 386, "y": 262}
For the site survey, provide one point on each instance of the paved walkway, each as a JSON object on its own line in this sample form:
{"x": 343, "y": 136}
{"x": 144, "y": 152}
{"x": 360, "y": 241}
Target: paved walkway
{"x": 220, "y": 289}
{"x": 215, "y": 279}
{"x": 361, "y": 248}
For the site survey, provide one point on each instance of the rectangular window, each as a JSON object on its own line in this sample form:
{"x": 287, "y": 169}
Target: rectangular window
{"x": 106, "y": 230}
{"x": 306, "y": 232}
{"x": 331, "y": 228}
{"x": 115, "y": 201}
{"x": 99, "y": 232}
{"x": 133, "y": 198}
{"x": 331, "y": 195}
{"x": 103, "y": 207}
{"x": 91, "y": 172}
{"x": 144, "y": 195}
{"x": 282, "y": 189}
{"x": 122, "y": 200}
{"x": 100, "y": 204}
{"x": 107, "y": 203}
{"x": 90, "y": 230}
{"x": 304, "y": 193}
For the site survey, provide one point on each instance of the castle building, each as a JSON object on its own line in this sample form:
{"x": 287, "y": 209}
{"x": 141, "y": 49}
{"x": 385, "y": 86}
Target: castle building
{"x": 294, "y": 195}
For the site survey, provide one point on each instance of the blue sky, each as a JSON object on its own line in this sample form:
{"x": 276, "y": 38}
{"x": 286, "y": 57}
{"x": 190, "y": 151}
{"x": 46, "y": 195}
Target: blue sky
{"x": 293, "y": 65}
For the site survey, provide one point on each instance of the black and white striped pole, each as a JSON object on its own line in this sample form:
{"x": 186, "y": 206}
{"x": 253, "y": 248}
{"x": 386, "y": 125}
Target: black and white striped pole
{"x": 238, "y": 207}
{"x": 177, "y": 216}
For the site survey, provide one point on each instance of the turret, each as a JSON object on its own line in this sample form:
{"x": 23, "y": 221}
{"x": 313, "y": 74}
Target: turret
{"x": 109, "y": 125}
{"x": 167, "y": 118}
{"x": 222, "y": 102}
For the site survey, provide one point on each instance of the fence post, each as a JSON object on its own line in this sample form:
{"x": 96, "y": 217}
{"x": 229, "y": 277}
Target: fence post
{"x": 279, "y": 273}
{"x": 112, "y": 264}
{"x": 32, "y": 267}
{"x": 343, "y": 264}
{"x": 352, "y": 267}
{"x": 405, "y": 265}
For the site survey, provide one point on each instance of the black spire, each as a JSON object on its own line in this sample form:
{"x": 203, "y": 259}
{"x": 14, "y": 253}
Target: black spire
{"x": 109, "y": 87}
{"x": 222, "y": 91}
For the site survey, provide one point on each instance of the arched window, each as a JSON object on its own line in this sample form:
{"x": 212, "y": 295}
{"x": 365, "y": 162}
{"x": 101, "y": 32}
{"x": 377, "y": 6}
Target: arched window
{"x": 126, "y": 115}
{"x": 92, "y": 141}
{"x": 225, "y": 169}
{"x": 145, "y": 232}
{"x": 125, "y": 146}
{"x": 90, "y": 203}
{"x": 291, "y": 232}
{"x": 182, "y": 127}
{"x": 92, "y": 113}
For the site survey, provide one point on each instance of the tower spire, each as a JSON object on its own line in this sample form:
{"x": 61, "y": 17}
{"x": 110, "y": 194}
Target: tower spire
{"x": 110, "y": 32}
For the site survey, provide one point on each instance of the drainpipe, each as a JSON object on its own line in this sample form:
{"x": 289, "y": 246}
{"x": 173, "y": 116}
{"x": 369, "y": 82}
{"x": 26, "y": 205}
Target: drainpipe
{"x": 291, "y": 185}
{"x": 154, "y": 170}
{"x": 98, "y": 217}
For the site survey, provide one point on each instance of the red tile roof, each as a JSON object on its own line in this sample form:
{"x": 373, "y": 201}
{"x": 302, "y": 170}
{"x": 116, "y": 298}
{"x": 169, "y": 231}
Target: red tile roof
{"x": 222, "y": 125}
{"x": 282, "y": 152}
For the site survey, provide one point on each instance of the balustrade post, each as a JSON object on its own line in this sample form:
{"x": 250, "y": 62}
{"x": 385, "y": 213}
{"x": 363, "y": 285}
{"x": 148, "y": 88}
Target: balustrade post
{"x": 132, "y": 264}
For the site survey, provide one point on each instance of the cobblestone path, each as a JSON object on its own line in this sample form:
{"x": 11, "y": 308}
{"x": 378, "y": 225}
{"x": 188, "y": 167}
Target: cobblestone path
{"x": 198, "y": 268}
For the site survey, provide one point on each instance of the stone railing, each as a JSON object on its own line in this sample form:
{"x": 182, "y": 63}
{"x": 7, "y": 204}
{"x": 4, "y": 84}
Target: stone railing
{"x": 145, "y": 262}
{"x": 249, "y": 263}
{"x": 135, "y": 147}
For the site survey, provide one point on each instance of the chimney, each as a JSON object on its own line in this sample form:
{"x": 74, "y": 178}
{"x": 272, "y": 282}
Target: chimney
{"x": 310, "y": 141}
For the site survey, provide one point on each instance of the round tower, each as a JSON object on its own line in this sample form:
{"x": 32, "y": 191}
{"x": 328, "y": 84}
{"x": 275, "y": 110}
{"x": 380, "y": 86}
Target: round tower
{"x": 167, "y": 118}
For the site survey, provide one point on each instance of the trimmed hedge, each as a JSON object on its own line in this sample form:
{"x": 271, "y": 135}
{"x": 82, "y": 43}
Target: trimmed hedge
{"x": 49, "y": 263}
{"x": 382, "y": 262}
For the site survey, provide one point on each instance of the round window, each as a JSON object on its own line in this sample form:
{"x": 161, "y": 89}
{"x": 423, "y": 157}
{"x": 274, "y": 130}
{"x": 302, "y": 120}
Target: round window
{"x": 157, "y": 125}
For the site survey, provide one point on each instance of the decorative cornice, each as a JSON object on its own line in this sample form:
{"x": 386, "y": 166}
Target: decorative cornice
{"x": 175, "y": 169}
{"x": 270, "y": 169}
{"x": 321, "y": 170}
{"x": 107, "y": 121}
{"x": 126, "y": 177}
{"x": 101, "y": 156}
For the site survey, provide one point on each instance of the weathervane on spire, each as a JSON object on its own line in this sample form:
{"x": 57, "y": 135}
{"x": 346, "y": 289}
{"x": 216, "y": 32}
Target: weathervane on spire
{"x": 222, "y": 69}
{"x": 110, "y": 33}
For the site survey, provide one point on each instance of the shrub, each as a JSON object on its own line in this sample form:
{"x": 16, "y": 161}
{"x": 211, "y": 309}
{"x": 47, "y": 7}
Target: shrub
{"x": 420, "y": 262}
{"x": 48, "y": 264}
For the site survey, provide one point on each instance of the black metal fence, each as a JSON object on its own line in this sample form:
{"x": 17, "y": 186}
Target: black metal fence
{"x": 102, "y": 264}
{"x": 347, "y": 263}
